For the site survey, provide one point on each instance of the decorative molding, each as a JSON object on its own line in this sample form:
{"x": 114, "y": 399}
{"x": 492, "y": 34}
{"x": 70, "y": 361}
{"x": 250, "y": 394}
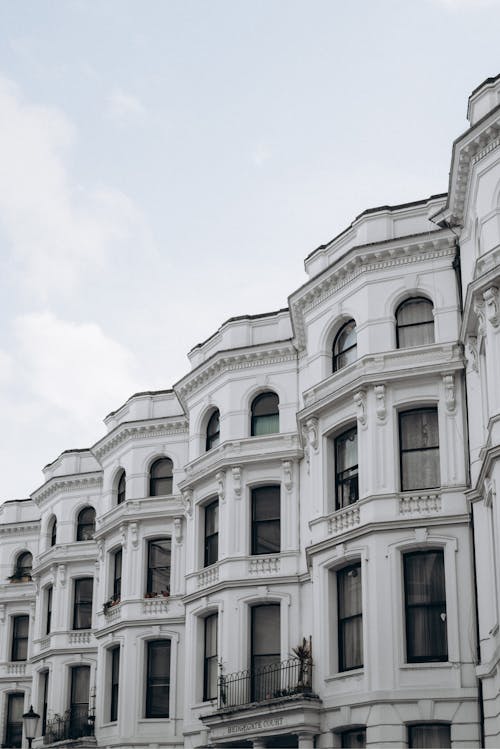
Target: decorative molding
{"x": 491, "y": 301}
{"x": 79, "y": 638}
{"x": 264, "y": 566}
{"x": 61, "y": 569}
{"x": 344, "y": 519}
{"x": 236, "y": 473}
{"x": 20, "y": 528}
{"x": 359, "y": 399}
{"x": 287, "y": 467}
{"x": 489, "y": 491}
{"x": 16, "y": 669}
{"x": 123, "y": 536}
{"x": 311, "y": 431}
{"x": 187, "y": 500}
{"x": 82, "y": 483}
{"x": 421, "y": 535}
{"x": 471, "y": 353}
{"x": 100, "y": 551}
{"x": 478, "y": 307}
{"x": 420, "y": 504}
{"x": 143, "y": 429}
{"x": 2, "y": 612}
{"x": 209, "y": 576}
{"x": 155, "y": 606}
{"x": 220, "y": 478}
{"x": 178, "y": 530}
{"x": 134, "y": 535}
{"x": 450, "y": 398}
{"x": 380, "y": 407}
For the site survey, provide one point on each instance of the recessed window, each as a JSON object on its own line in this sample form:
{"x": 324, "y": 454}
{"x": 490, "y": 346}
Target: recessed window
{"x": 414, "y": 323}
{"x": 265, "y": 650}
{"x": 345, "y": 346}
{"x": 350, "y": 617}
{"x": 79, "y": 702}
{"x": 53, "y": 532}
{"x": 213, "y": 431}
{"x": 266, "y": 503}
{"x": 159, "y": 556}
{"x": 346, "y": 468}
{"x": 425, "y": 606}
{"x": 160, "y": 478}
{"x": 353, "y": 739}
{"x": 158, "y": 679}
{"x": 265, "y": 414}
{"x": 44, "y": 691}
{"x": 419, "y": 448}
{"x": 121, "y": 488}
{"x": 23, "y": 567}
{"x": 20, "y": 631}
{"x": 429, "y": 735}
{"x": 82, "y": 607}
{"x": 14, "y": 725}
{"x": 211, "y": 533}
{"x": 114, "y": 654}
{"x": 86, "y": 524}
{"x": 117, "y": 574}
{"x": 210, "y": 658}
{"x": 48, "y": 608}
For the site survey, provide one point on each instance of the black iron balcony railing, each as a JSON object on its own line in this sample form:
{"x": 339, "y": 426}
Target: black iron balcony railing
{"x": 73, "y": 724}
{"x": 278, "y": 680}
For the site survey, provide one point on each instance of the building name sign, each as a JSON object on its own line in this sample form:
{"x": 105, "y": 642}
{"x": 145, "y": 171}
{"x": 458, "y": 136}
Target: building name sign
{"x": 255, "y": 725}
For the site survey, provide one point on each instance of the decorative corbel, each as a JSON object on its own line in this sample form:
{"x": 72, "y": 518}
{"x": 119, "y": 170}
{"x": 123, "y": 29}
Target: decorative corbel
{"x": 236, "y": 473}
{"x": 307, "y": 449}
{"x": 220, "y": 477}
{"x": 380, "y": 407}
{"x": 359, "y": 399}
{"x": 471, "y": 353}
{"x": 133, "y": 535}
{"x": 61, "y": 568}
{"x": 2, "y": 612}
{"x": 489, "y": 491}
{"x": 480, "y": 314}
{"x": 490, "y": 297}
{"x": 178, "y": 530}
{"x": 187, "y": 499}
{"x": 312, "y": 433}
{"x": 449, "y": 392}
{"x": 100, "y": 551}
{"x": 97, "y": 570}
{"x": 123, "y": 535}
{"x": 287, "y": 474}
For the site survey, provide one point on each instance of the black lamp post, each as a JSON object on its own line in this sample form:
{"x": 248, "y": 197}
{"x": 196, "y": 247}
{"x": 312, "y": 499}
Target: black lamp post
{"x": 30, "y": 720}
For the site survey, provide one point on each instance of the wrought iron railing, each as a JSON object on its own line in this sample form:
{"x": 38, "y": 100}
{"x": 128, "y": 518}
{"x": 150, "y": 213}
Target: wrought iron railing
{"x": 278, "y": 680}
{"x": 73, "y": 724}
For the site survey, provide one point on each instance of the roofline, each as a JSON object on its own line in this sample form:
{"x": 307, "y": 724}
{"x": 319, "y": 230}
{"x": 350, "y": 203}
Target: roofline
{"x": 486, "y": 82}
{"x": 377, "y": 209}
{"x": 137, "y": 395}
{"x": 235, "y": 319}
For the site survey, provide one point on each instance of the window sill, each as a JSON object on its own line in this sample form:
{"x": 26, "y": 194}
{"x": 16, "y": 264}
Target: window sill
{"x": 345, "y": 674}
{"x": 426, "y": 664}
{"x": 147, "y": 721}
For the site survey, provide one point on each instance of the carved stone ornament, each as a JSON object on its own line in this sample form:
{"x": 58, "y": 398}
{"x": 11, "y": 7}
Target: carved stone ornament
{"x": 61, "y": 568}
{"x": 134, "y": 535}
{"x": 307, "y": 449}
{"x": 359, "y": 399}
{"x": 220, "y": 477}
{"x": 471, "y": 353}
{"x": 449, "y": 393}
{"x": 123, "y": 535}
{"x": 97, "y": 568}
{"x": 489, "y": 491}
{"x": 187, "y": 499}
{"x": 288, "y": 474}
{"x": 178, "y": 530}
{"x": 492, "y": 310}
{"x": 236, "y": 472}
{"x": 2, "y": 612}
{"x": 481, "y": 320}
{"x": 380, "y": 408}
{"x": 312, "y": 433}
{"x": 100, "y": 550}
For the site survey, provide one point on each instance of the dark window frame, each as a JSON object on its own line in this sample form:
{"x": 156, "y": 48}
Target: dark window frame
{"x": 121, "y": 489}
{"x": 79, "y": 711}
{"x": 53, "y": 531}
{"x": 81, "y": 607}
{"x": 270, "y": 412}
{"x": 49, "y": 591}
{"x": 151, "y": 569}
{"x": 23, "y": 570}
{"x": 155, "y": 681}
{"x": 259, "y": 681}
{"x": 85, "y": 528}
{"x": 343, "y": 478}
{"x": 19, "y": 642}
{"x": 429, "y": 607}
{"x": 211, "y": 540}
{"x": 13, "y": 729}
{"x": 117, "y": 573}
{"x": 343, "y": 620}
{"x": 257, "y": 523}
{"x": 212, "y": 438}
{"x": 404, "y": 480}
{"x": 420, "y": 324}
{"x": 44, "y": 691}
{"x": 209, "y": 659}
{"x": 161, "y": 465}
{"x": 351, "y": 732}
{"x": 336, "y": 353}
{"x": 434, "y": 724}
{"x": 114, "y": 665}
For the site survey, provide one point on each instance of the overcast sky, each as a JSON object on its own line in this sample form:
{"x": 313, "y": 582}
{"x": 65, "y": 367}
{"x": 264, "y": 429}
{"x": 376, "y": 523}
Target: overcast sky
{"x": 166, "y": 165}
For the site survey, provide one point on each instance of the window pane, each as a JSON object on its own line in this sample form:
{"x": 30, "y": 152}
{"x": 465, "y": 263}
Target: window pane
{"x": 161, "y": 477}
{"x": 266, "y": 520}
{"x": 86, "y": 524}
{"x": 416, "y": 335}
{"x": 419, "y": 438}
{"x": 355, "y": 739}
{"x": 14, "y": 728}
{"x": 429, "y": 736}
{"x": 350, "y": 620}
{"x": 266, "y": 630}
{"x": 346, "y": 468}
{"x": 425, "y": 597}
{"x": 158, "y": 679}
{"x": 80, "y": 685}
{"x": 210, "y": 658}
{"x": 82, "y": 613}
{"x": 159, "y": 554}
{"x": 211, "y": 533}
{"x": 266, "y": 503}
{"x": 419, "y": 429}
{"x": 121, "y": 489}
{"x": 115, "y": 678}
{"x": 420, "y": 470}
{"x": 345, "y": 346}
{"x": 267, "y": 537}
{"x": 265, "y": 414}
{"x": 20, "y": 628}
{"x": 347, "y": 450}
{"x": 24, "y": 564}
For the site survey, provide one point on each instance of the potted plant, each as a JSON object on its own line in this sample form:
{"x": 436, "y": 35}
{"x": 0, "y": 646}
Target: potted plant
{"x": 303, "y": 653}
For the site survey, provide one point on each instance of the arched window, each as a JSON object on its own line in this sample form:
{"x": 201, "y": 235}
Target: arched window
{"x": 86, "y": 524}
{"x": 345, "y": 346}
{"x": 265, "y": 414}
{"x": 160, "y": 477}
{"x": 414, "y": 322}
{"x": 121, "y": 488}
{"x": 213, "y": 431}
{"x": 23, "y": 567}
{"x": 53, "y": 532}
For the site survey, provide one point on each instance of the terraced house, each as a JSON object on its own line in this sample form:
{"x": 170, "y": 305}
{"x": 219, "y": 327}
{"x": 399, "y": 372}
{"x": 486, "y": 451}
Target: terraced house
{"x": 297, "y": 545}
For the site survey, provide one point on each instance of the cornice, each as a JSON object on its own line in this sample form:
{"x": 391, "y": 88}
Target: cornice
{"x": 362, "y": 259}
{"x": 13, "y": 529}
{"x": 135, "y": 430}
{"x": 232, "y": 360}
{"x": 139, "y": 510}
{"x": 76, "y": 482}
{"x": 489, "y": 277}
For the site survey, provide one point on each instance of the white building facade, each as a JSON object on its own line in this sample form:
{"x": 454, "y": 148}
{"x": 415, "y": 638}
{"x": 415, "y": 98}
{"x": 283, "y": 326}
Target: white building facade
{"x": 297, "y": 545}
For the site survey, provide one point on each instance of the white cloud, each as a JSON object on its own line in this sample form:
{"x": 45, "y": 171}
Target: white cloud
{"x": 59, "y": 232}
{"x": 260, "y": 155}
{"x": 123, "y": 106}
{"x": 468, "y": 4}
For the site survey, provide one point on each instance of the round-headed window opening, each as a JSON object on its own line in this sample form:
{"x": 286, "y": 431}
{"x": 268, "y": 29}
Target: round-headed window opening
{"x": 160, "y": 477}
{"x": 24, "y": 565}
{"x": 53, "y": 531}
{"x": 86, "y": 524}
{"x": 265, "y": 414}
{"x": 414, "y": 322}
{"x": 345, "y": 346}
{"x": 121, "y": 488}
{"x": 213, "y": 431}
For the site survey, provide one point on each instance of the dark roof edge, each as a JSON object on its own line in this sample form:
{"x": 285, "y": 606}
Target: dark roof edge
{"x": 486, "y": 82}
{"x": 137, "y": 395}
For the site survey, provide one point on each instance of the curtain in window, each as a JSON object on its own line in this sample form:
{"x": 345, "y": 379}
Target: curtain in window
{"x": 345, "y": 346}
{"x": 210, "y": 664}
{"x": 419, "y": 434}
{"x": 158, "y": 679}
{"x": 159, "y": 553}
{"x": 266, "y": 651}
{"x": 425, "y": 607}
{"x": 79, "y": 708}
{"x": 415, "y": 323}
{"x": 266, "y": 520}
{"x": 82, "y": 614}
{"x": 429, "y": 736}
{"x": 346, "y": 468}
{"x": 14, "y": 728}
{"x": 211, "y": 533}
{"x": 265, "y": 414}
{"x": 350, "y": 618}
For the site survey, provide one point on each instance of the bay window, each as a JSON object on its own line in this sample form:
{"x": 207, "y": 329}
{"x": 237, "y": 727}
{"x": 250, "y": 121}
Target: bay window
{"x": 350, "y": 617}
{"x": 346, "y": 468}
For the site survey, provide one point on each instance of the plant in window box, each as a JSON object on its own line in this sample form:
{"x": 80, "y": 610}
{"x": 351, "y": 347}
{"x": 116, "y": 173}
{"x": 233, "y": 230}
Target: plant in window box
{"x": 113, "y": 601}
{"x": 303, "y": 653}
{"x": 20, "y": 576}
{"x": 165, "y": 593}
